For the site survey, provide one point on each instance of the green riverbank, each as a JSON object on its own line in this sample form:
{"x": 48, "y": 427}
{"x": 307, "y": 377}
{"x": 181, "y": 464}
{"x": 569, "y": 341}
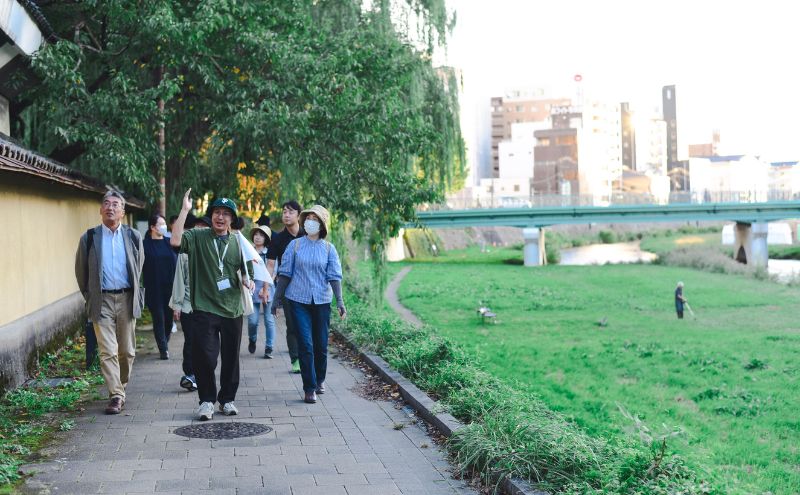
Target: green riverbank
{"x": 728, "y": 380}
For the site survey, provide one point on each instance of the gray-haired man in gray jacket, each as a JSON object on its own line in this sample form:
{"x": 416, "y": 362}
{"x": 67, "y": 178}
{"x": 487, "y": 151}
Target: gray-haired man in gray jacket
{"x": 108, "y": 264}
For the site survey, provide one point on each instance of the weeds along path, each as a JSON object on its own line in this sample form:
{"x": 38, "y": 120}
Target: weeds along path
{"x": 394, "y": 301}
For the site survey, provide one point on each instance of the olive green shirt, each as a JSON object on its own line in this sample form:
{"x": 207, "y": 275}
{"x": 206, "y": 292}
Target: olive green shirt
{"x": 204, "y": 272}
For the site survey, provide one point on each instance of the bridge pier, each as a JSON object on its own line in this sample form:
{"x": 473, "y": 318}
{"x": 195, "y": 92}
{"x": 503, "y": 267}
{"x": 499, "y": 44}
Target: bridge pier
{"x": 750, "y": 243}
{"x": 534, "y": 254}
{"x": 395, "y": 248}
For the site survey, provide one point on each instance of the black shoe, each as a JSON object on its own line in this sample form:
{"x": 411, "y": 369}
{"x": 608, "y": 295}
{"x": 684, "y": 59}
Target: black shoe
{"x": 268, "y": 353}
{"x": 310, "y": 398}
{"x": 321, "y": 388}
{"x": 164, "y": 355}
{"x": 251, "y": 347}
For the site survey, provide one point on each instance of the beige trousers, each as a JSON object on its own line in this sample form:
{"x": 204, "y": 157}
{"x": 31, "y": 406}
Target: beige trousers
{"x": 116, "y": 339}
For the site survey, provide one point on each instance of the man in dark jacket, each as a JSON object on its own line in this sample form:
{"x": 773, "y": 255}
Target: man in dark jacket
{"x": 679, "y": 300}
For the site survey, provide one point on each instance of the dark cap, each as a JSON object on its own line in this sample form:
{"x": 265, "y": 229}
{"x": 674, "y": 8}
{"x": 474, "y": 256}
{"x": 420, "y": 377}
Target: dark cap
{"x": 224, "y": 203}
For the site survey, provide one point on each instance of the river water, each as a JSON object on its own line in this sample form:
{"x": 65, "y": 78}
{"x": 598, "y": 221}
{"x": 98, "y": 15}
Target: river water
{"x": 601, "y": 254}
{"x": 630, "y": 252}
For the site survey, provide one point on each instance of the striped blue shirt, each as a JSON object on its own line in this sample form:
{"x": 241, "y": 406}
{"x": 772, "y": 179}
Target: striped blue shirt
{"x": 311, "y": 269}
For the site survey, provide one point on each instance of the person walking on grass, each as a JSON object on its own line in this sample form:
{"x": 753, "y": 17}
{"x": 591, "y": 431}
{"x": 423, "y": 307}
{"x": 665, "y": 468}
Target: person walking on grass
{"x": 291, "y": 231}
{"x": 108, "y": 264}
{"x": 680, "y": 301}
{"x": 215, "y": 263}
{"x": 262, "y": 295}
{"x": 181, "y": 304}
{"x": 309, "y": 276}
{"x": 158, "y": 274}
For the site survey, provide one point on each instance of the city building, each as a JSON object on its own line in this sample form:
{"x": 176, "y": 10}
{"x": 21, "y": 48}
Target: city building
{"x": 502, "y": 193}
{"x": 784, "y": 180}
{"x": 677, "y": 166}
{"x": 651, "y": 144}
{"x": 580, "y": 156}
{"x": 518, "y": 107}
{"x": 733, "y": 178}
{"x": 628, "y": 135}
{"x": 555, "y": 170}
{"x": 706, "y": 149}
{"x": 516, "y": 159}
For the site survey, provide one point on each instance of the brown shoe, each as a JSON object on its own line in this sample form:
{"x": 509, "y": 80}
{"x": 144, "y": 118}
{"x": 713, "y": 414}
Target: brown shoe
{"x": 311, "y": 398}
{"x": 321, "y": 388}
{"x": 115, "y": 405}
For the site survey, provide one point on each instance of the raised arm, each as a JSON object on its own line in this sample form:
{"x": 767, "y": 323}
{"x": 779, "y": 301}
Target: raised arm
{"x": 177, "y": 227}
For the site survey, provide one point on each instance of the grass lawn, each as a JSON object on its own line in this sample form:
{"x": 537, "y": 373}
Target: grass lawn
{"x": 728, "y": 379}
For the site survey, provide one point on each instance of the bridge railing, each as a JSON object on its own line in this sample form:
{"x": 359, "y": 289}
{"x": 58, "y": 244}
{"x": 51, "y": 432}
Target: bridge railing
{"x": 568, "y": 201}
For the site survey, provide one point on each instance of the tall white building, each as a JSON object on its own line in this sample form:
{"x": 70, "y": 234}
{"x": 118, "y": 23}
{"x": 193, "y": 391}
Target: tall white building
{"x": 599, "y": 150}
{"x": 651, "y": 144}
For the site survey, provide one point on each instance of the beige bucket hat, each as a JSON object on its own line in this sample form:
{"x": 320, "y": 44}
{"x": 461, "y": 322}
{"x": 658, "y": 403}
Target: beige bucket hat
{"x": 320, "y": 212}
{"x": 264, "y": 230}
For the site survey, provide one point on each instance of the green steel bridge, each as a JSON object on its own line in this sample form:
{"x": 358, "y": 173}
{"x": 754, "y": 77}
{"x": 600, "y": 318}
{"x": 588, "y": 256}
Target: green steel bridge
{"x": 545, "y": 216}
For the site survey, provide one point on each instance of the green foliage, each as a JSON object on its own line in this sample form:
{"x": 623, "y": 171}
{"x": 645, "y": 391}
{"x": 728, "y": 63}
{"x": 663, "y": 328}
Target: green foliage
{"x": 607, "y": 236}
{"x": 342, "y": 104}
{"x": 25, "y": 419}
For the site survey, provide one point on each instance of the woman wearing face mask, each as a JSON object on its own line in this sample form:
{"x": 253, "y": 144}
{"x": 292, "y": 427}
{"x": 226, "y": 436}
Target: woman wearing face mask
{"x": 157, "y": 274}
{"x": 309, "y": 276}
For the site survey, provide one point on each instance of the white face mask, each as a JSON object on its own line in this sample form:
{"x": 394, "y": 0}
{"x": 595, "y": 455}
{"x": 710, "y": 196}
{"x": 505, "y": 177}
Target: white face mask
{"x": 162, "y": 229}
{"x": 311, "y": 227}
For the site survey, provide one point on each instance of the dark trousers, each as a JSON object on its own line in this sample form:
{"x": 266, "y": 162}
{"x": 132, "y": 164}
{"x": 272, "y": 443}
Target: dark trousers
{"x": 312, "y": 322}
{"x": 216, "y": 336}
{"x": 188, "y": 337}
{"x": 291, "y": 334}
{"x": 680, "y": 314}
{"x": 162, "y": 316}
{"x": 91, "y": 344}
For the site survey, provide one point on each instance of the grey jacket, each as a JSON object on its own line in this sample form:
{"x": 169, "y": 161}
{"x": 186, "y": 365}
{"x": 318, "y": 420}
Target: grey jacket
{"x": 92, "y": 266}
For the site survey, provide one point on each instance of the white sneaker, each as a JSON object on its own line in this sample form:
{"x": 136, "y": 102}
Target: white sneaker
{"x": 205, "y": 411}
{"x": 228, "y": 409}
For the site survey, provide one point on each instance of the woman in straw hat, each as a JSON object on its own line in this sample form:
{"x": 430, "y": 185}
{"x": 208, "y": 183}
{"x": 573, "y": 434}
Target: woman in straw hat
{"x": 310, "y": 276}
{"x": 263, "y": 292}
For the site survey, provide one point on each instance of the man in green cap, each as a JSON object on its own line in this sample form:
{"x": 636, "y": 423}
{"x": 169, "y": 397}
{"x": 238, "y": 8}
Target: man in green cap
{"x": 214, "y": 259}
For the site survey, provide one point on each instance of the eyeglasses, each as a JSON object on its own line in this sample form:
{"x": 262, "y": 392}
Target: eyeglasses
{"x": 113, "y": 206}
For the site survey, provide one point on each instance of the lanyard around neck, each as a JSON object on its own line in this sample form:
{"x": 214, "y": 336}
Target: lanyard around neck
{"x": 220, "y": 258}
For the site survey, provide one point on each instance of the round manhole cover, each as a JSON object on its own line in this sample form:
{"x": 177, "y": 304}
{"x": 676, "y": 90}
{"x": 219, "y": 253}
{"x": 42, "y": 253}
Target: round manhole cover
{"x": 222, "y": 431}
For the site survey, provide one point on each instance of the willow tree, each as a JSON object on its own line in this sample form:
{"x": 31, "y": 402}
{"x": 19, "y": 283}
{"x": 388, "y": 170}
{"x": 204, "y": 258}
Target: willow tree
{"x": 338, "y": 101}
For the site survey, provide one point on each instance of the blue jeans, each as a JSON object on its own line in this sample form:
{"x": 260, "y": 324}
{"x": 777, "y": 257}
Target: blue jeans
{"x": 312, "y": 321}
{"x": 269, "y": 320}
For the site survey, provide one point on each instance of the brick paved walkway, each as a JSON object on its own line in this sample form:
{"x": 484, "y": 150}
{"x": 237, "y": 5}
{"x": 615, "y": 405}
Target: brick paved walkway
{"x": 343, "y": 444}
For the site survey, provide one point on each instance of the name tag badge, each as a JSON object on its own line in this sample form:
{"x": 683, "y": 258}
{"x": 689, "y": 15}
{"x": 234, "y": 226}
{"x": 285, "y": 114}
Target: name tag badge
{"x": 223, "y": 284}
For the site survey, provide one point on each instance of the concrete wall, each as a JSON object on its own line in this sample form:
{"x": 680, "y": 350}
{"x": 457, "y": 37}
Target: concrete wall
{"x": 43, "y": 222}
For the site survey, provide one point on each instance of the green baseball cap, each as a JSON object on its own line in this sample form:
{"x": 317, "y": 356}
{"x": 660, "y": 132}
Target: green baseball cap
{"x": 224, "y": 203}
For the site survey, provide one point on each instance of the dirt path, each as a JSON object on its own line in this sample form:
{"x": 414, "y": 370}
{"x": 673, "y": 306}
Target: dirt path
{"x": 394, "y": 301}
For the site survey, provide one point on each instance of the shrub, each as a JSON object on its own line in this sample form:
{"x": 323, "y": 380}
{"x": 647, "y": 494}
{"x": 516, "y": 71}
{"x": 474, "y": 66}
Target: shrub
{"x": 607, "y": 236}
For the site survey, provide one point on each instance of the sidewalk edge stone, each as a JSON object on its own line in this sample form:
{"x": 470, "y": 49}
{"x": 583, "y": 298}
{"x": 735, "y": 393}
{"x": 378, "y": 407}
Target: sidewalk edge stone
{"x": 425, "y": 407}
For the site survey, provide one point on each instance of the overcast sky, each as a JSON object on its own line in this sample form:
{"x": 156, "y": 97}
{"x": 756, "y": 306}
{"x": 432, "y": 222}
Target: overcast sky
{"x": 734, "y": 62}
